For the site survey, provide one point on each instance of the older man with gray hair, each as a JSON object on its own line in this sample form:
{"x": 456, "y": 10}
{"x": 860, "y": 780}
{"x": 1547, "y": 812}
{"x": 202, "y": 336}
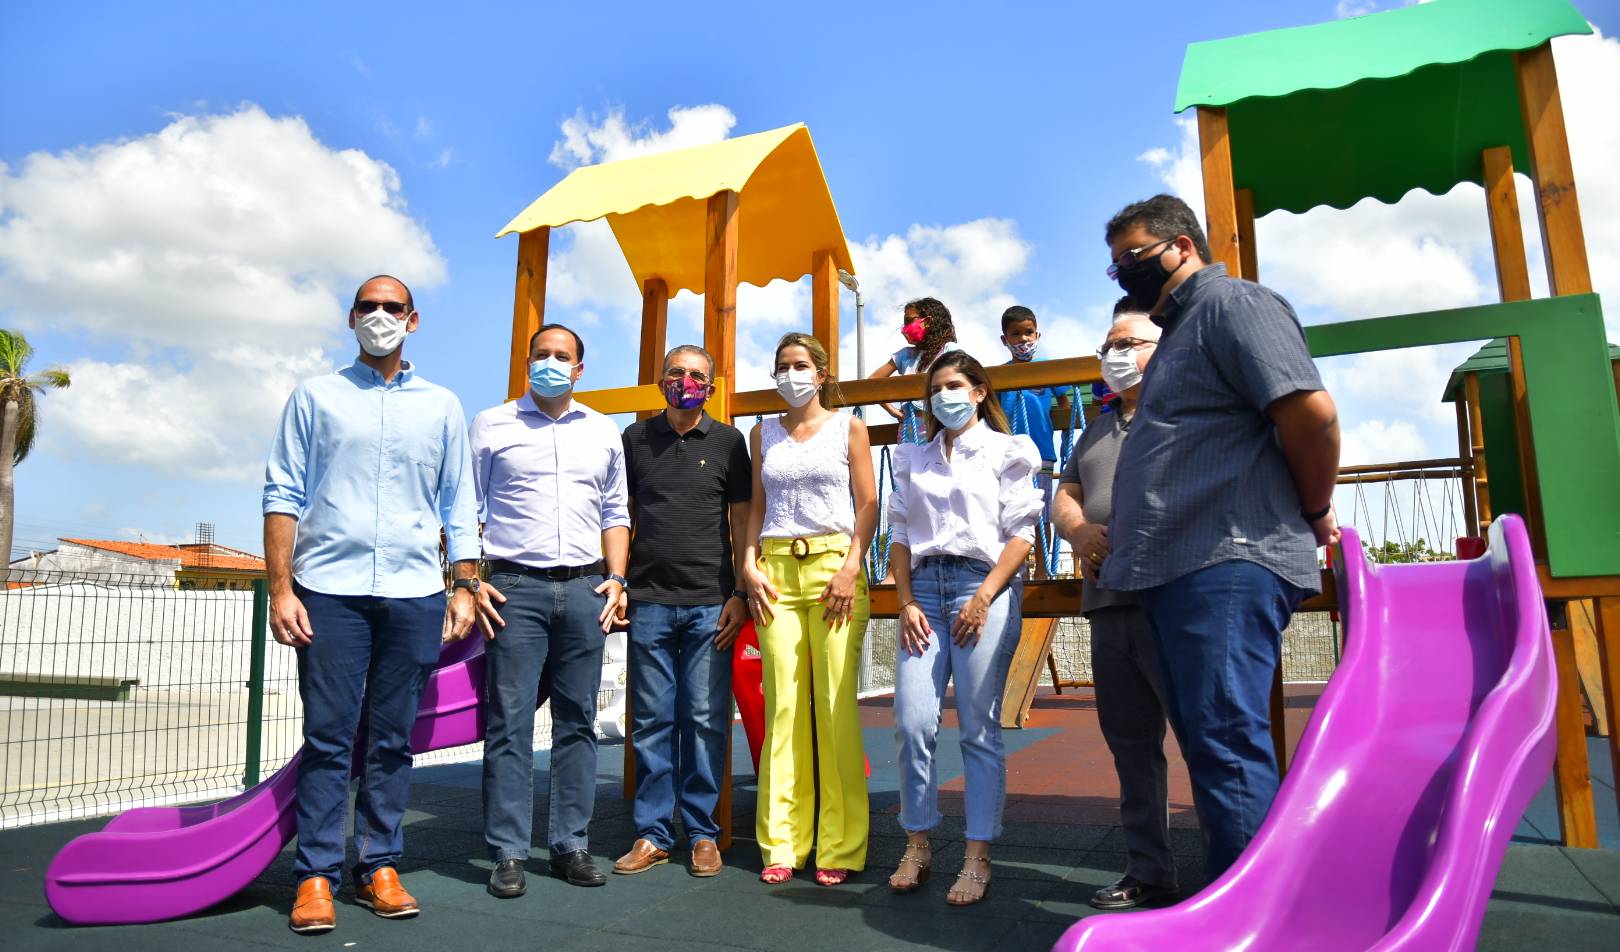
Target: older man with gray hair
{"x": 690, "y": 485}
{"x": 1124, "y": 661}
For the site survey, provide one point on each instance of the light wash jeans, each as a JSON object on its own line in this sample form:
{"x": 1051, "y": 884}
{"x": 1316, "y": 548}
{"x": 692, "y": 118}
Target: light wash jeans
{"x": 942, "y": 585}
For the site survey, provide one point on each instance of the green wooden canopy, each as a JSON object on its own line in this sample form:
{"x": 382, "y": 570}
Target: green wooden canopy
{"x": 1375, "y": 105}
{"x": 1491, "y": 358}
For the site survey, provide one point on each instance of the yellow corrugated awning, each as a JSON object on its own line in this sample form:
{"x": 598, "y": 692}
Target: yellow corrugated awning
{"x": 657, "y": 204}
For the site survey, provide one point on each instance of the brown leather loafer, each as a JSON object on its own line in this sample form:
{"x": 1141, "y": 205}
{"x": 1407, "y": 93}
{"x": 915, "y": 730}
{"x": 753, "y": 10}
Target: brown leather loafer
{"x": 313, "y": 912}
{"x": 706, "y": 859}
{"x": 385, "y": 896}
{"x": 642, "y": 857}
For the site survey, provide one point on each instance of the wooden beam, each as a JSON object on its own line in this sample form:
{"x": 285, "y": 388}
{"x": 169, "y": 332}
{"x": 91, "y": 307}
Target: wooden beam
{"x": 1245, "y": 231}
{"x": 1279, "y": 720}
{"x": 1220, "y": 204}
{"x": 1577, "y": 817}
{"x": 1024, "y": 670}
{"x": 1607, "y": 628}
{"x": 528, "y": 306}
{"x": 1476, "y": 447}
{"x": 1542, "y": 110}
{"x": 1021, "y": 376}
{"x": 824, "y": 305}
{"x": 1527, "y": 450}
{"x": 1588, "y": 660}
{"x": 1581, "y": 586}
{"x": 720, "y": 284}
{"x": 654, "y": 332}
{"x": 1465, "y": 449}
{"x": 1507, "y": 231}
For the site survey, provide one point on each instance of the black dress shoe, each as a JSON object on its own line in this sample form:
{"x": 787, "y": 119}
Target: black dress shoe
{"x": 1129, "y": 893}
{"x": 577, "y": 869}
{"x": 507, "y": 882}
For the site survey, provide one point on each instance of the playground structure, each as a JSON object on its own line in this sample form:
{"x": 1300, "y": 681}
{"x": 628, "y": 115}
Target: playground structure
{"x": 1422, "y": 97}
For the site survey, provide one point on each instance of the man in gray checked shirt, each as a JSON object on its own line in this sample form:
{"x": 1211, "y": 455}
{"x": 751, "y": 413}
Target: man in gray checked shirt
{"x": 1222, "y": 495}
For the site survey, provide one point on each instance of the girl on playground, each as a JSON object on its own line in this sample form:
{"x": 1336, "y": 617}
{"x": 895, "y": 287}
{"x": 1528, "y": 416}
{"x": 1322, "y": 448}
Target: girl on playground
{"x": 963, "y": 514}
{"x": 929, "y": 332}
{"x": 813, "y": 514}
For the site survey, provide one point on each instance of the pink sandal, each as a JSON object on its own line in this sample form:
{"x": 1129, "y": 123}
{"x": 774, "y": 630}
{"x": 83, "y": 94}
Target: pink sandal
{"x": 776, "y": 875}
{"x": 831, "y": 877}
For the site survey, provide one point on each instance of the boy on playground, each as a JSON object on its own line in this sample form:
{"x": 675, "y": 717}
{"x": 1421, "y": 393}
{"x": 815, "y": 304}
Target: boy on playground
{"x": 1030, "y": 411}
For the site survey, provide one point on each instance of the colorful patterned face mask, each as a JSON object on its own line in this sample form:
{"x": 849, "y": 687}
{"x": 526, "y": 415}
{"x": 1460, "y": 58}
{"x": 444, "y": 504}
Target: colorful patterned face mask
{"x": 685, "y": 393}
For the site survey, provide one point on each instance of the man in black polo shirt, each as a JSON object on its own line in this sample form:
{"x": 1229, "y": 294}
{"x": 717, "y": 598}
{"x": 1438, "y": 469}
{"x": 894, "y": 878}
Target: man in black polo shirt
{"x": 689, "y": 484}
{"x": 1222, "y": 494}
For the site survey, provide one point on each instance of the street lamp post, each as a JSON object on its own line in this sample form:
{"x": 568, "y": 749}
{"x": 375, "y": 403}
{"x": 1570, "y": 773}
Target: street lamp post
{"x": 848, "y": 281}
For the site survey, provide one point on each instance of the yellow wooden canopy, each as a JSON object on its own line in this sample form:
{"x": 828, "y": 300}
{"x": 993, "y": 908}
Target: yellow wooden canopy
{"x": 656, "y": 206}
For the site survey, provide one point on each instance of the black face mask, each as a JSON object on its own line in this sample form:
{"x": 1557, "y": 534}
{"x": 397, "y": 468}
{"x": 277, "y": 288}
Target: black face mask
{"x": 1145, "y": 280}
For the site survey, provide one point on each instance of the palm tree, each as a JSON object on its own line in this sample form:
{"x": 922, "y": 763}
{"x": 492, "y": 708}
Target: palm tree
{"x": 18, "y": 425}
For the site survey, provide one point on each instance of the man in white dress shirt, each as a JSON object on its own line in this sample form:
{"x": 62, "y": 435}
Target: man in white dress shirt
{"x": 551, "y": 485}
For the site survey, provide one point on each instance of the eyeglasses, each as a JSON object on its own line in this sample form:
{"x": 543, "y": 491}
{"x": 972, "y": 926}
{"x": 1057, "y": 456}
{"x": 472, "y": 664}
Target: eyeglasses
{"x": 1129, "y": 259}
{"x": 393, "y": 307}
{"x": 1124, "y": 345}
{"x": 676, "y": 373}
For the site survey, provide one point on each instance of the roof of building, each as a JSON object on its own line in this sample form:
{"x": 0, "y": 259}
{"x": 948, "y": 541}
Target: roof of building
{"x": 1375, "y": 105}
{"x": 1491, "y": 358}
{"x": 657, "y": 207}
{"x": 192, "y": 555}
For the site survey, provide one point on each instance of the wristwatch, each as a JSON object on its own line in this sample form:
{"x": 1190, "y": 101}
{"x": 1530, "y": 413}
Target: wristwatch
{"x": 739, "y": 593}
{"x": 470, "y": 584}
{"x": 623, "y": 582}
{"x": 1313, "y": 516}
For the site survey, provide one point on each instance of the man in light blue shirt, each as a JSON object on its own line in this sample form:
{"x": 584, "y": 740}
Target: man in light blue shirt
{"x": 369, "y": 463}
{"x": 551, "y": 482}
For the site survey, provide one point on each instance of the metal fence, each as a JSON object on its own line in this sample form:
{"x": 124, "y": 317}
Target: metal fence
{"x": 119, "y": 691}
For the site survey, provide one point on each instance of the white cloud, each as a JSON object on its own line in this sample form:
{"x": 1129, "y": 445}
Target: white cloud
{"x": 220, "y": 252}
{"x": 1589, "y": 85}
{"x": 1384, "y": 441}
{"x": 424, "y": 127}
{"x": 589, "y": 141}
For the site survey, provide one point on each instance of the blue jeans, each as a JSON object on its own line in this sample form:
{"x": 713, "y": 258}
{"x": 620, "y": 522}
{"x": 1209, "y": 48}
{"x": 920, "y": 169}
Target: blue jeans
{"x": 941, "y": 586}
{"x": 1219, "y": 638}
{"x": 551, "y": 631}
{"x": 372, "y": 653}
{"x": 680, "y": 713}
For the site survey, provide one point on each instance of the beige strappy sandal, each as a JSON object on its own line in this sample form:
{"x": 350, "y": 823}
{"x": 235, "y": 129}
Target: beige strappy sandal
{"x": 922, "y": 871}
{"x": 972, "y": 877}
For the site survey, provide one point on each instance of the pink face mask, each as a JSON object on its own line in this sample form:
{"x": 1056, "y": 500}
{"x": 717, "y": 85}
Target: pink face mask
{"x": 685, "y": 393}
{"x": 914, "y": 332}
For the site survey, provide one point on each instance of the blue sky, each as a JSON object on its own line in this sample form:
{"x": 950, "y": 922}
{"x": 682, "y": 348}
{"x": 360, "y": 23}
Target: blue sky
{"x": 972, "y": 153}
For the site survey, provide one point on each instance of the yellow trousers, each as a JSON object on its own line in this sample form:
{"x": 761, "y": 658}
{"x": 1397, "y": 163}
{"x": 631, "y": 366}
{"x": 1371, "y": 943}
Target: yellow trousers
{"x": 809, "y": 664}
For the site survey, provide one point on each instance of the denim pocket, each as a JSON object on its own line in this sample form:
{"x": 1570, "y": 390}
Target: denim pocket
{"x": 506, "y": 581}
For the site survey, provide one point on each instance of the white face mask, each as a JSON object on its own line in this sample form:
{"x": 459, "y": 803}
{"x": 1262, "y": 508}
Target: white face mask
{"x": 1119, "y": 370}
{"x": 797, "y": 387}
{"x": 380, "y": 333}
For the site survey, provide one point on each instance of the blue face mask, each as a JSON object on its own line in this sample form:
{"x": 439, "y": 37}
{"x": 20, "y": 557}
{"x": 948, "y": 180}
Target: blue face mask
{"x": 551, "y": 377}
{"x": 953, "y": 408}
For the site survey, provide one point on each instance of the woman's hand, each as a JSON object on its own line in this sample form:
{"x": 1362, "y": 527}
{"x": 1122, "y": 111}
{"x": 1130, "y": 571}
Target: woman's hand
{"x": 969, "y": 623}
{"x": 761, "y": 595}
{"x": 915, "y": 632}
{"x": 839, "y": 596}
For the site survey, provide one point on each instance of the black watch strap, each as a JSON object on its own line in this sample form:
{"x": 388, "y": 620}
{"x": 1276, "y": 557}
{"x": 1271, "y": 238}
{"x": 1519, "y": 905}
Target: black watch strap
{"x": 1313, "y": 516}
{"x": 623, "y": 583}
{"x": 739, "y": 593}
{"x": 470, "y": 584}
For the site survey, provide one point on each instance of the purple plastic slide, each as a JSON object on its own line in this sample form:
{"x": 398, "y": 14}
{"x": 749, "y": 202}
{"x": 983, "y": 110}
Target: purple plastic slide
{"x": 1423, "y": 753}
{"x": 160, "y": 863}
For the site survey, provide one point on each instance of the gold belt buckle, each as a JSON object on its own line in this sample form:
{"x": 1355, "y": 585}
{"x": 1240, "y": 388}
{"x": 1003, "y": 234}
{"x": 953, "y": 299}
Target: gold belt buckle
{"x": 793, "y": 548}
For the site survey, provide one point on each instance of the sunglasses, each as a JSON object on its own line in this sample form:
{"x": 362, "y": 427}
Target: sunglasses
{"x": 1131, "y": 258}
{"x": 393, "y": 307}
{"x": 676, "y": 373}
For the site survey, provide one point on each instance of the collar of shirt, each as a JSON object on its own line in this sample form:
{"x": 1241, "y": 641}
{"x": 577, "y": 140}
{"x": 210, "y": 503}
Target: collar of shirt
{"x": 526, "y": 404}
{"x": 365, "y": 373}
{"x": 660, "y": 424}
{"x": 1185, "y": 292}
{"x": 971, "y": 441}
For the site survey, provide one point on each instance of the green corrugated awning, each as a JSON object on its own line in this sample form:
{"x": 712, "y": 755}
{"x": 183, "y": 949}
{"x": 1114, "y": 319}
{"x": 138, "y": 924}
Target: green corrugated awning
{"x": 1492, "y": 358}
{"x": 1375, "y": 105}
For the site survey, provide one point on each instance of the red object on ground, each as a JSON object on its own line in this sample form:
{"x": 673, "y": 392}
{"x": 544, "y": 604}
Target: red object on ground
{"x": 748, "y": 687}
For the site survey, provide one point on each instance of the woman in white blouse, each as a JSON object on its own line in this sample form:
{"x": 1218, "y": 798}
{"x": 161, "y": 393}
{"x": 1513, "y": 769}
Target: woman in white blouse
{"x": 963, "y": 514}
{"x": 813, "y": 514}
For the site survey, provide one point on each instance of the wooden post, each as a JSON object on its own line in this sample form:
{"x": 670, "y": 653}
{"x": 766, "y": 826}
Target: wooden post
{"x": 1507, "y": 232}
{"x": 654, "y": 333}
{"x": 1589, "y": 660}
{"x": 528, "y": 305}
{"x": 1527, "y": 451}
{"x": 720, "y": 285}
{"x": 824, "y": 305}
{"x": 1577, "y": 816}
{"x": 1245, "y": 231}
{"x": 1465, "y": 450}
{"x": 1220, "y": 204}
{"x": 1606, "y": 614}
{"x": 1476, "y": 448}
{"x": 1279, "y": 720}
{"x": 1557, "y": 208}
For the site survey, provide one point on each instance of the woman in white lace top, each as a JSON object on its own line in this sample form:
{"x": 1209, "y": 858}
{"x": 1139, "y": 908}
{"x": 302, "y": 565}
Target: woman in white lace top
{"x": 814, "y": 511}
{"x": 963, "y": 516}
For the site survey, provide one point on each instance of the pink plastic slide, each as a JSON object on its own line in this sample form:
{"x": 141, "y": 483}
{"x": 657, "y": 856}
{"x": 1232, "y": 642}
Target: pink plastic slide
{"x": 160, "y": 863}
{"x": 1423, "y": 753}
